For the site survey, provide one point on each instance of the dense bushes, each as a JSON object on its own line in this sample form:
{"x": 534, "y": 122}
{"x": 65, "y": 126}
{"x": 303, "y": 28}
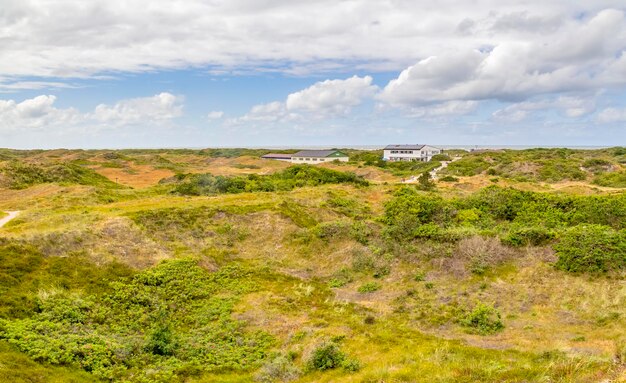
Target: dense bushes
{"x": 592, "y": 248}
{"x": 467, "y": 166}
{"x": 520, "y": 218}
{"x": 288, "y": 179}
{"x": 548, "y": 165}
{"x": 612, "y": 179}
{"x": 183, "y": 310}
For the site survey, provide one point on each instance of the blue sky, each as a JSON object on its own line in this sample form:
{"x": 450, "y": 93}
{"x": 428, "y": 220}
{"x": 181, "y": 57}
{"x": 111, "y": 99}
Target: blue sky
{"x": 192, "y": 73}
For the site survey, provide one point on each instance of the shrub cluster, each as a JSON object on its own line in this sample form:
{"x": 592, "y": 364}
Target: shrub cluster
{"x": 592, "y": 248}
{"x": 520, "y": 218}
{"x": 173, "y": 318}
{"x": 483, "y": 319}
{"x": 288, "y": 179}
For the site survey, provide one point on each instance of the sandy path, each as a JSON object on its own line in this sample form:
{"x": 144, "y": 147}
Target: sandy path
{"x": 10, "y": 216}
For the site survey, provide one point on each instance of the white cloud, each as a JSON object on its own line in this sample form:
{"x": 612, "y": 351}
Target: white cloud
{"x": 324, "y": 99}
{"x": 610, "y": 115}
{"x": 581, "y": 58}
{"x": 66, "y": 38}
{"x": 163, "y": 106}
{"x": 568, "y": 106}
{"x": 215, "y": 115}
{"x": 332, "y": 97}
{"x": 35, "y": 113}
{"x": 39, "y": 113}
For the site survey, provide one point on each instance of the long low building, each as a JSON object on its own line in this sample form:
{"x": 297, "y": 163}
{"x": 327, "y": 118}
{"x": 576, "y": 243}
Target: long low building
{"x": 410, "y": 152}
{"x": 309, "y": 156}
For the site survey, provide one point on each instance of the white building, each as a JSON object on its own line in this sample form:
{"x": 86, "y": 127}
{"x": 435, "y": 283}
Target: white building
{"x": 410, "y": 152}
{"x": 309, "y": 156}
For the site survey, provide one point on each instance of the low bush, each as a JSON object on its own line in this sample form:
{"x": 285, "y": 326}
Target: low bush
{"x": 467, "y": 166}
{"x": 612, "y": 179}
{"x": 288, "y": 179}
{"x": 327, "y": 356}
{"x": 369, "y": 287}
{"x": 591, "y": 248}
{"x": 533, "y": 236}
{"x": 187, "y": 309}
{"x": 441, "y": 157}
{"x": 483, "y": 319}
{"x": 449, "y": 179}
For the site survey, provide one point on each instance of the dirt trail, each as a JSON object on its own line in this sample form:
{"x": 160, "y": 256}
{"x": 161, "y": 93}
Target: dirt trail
{"x": 10, "y": 216}
{"x": 433, "y": 173}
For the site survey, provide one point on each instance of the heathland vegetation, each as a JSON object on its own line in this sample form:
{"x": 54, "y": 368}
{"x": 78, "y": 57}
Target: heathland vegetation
{"x": 216, "y": 266}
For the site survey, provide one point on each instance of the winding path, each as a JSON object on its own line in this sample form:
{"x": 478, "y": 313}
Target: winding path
{"x": 10, "y": 216}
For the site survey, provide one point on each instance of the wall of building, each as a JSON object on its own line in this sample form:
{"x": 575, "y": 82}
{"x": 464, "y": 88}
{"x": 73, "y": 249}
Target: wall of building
{"x": 316, "y": 160}
{"x": 425, "y": 154}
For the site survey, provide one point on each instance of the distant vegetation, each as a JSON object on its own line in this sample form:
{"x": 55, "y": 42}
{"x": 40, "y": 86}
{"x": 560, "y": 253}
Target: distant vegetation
{"x": 235, "y": 269}
{"x": 549, "y": 165}
{"x": 21, "y": 175}
{"x": 288, "y": 179}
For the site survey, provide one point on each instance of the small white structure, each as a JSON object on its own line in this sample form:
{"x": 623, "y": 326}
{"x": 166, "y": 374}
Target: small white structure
{"x": 318, "y": 156}
{"x": 410, "y": 152}
{"x": 309, "y": 156}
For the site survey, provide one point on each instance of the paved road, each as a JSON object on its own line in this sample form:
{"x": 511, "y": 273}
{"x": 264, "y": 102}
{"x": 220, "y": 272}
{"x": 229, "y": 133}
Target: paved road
{"x": 10, "y": 216}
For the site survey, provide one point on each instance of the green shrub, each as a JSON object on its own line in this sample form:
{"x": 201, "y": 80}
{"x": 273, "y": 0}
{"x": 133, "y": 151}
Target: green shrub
{"x": 483, "y": 319}
{"x": 326, "y": 357}
{"x": 428, "y": 231}
{"x": 161, "y": 341}
{"x": 369, "y": 287}
{"x": 467, "y": 166}
{"x": 340, "y": 278}
{"x": 424, "y": 182}
{"x": 104, "y": 333}
{"x": 591, "y": 248}
{"x": 361, "y": 232}
{"x": 612, "y": 179}
{"x": 441, "y": 157}
{"x": 351, "y": 365}
{"x": 533, "y": 236}
{"x": 288, "y": 179}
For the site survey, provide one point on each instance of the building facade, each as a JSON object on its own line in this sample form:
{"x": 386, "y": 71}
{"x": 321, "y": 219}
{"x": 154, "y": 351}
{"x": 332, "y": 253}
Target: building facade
{"x": 309, "y": 156}
{"x": 318, "y": 156}
{"x": 410, "y": 152}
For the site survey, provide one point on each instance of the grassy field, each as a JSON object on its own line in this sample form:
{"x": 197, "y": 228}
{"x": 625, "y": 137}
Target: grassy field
{"x": 218, "y": 266}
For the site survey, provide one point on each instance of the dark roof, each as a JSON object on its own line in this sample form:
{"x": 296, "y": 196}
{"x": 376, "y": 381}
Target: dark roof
{"x": 277, "y": 155}
{"x": 319, "y": 153}
{"x": 404, "y": 147}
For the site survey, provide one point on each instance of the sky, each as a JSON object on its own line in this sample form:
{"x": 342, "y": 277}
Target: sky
{"x": 269, "y": 73}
